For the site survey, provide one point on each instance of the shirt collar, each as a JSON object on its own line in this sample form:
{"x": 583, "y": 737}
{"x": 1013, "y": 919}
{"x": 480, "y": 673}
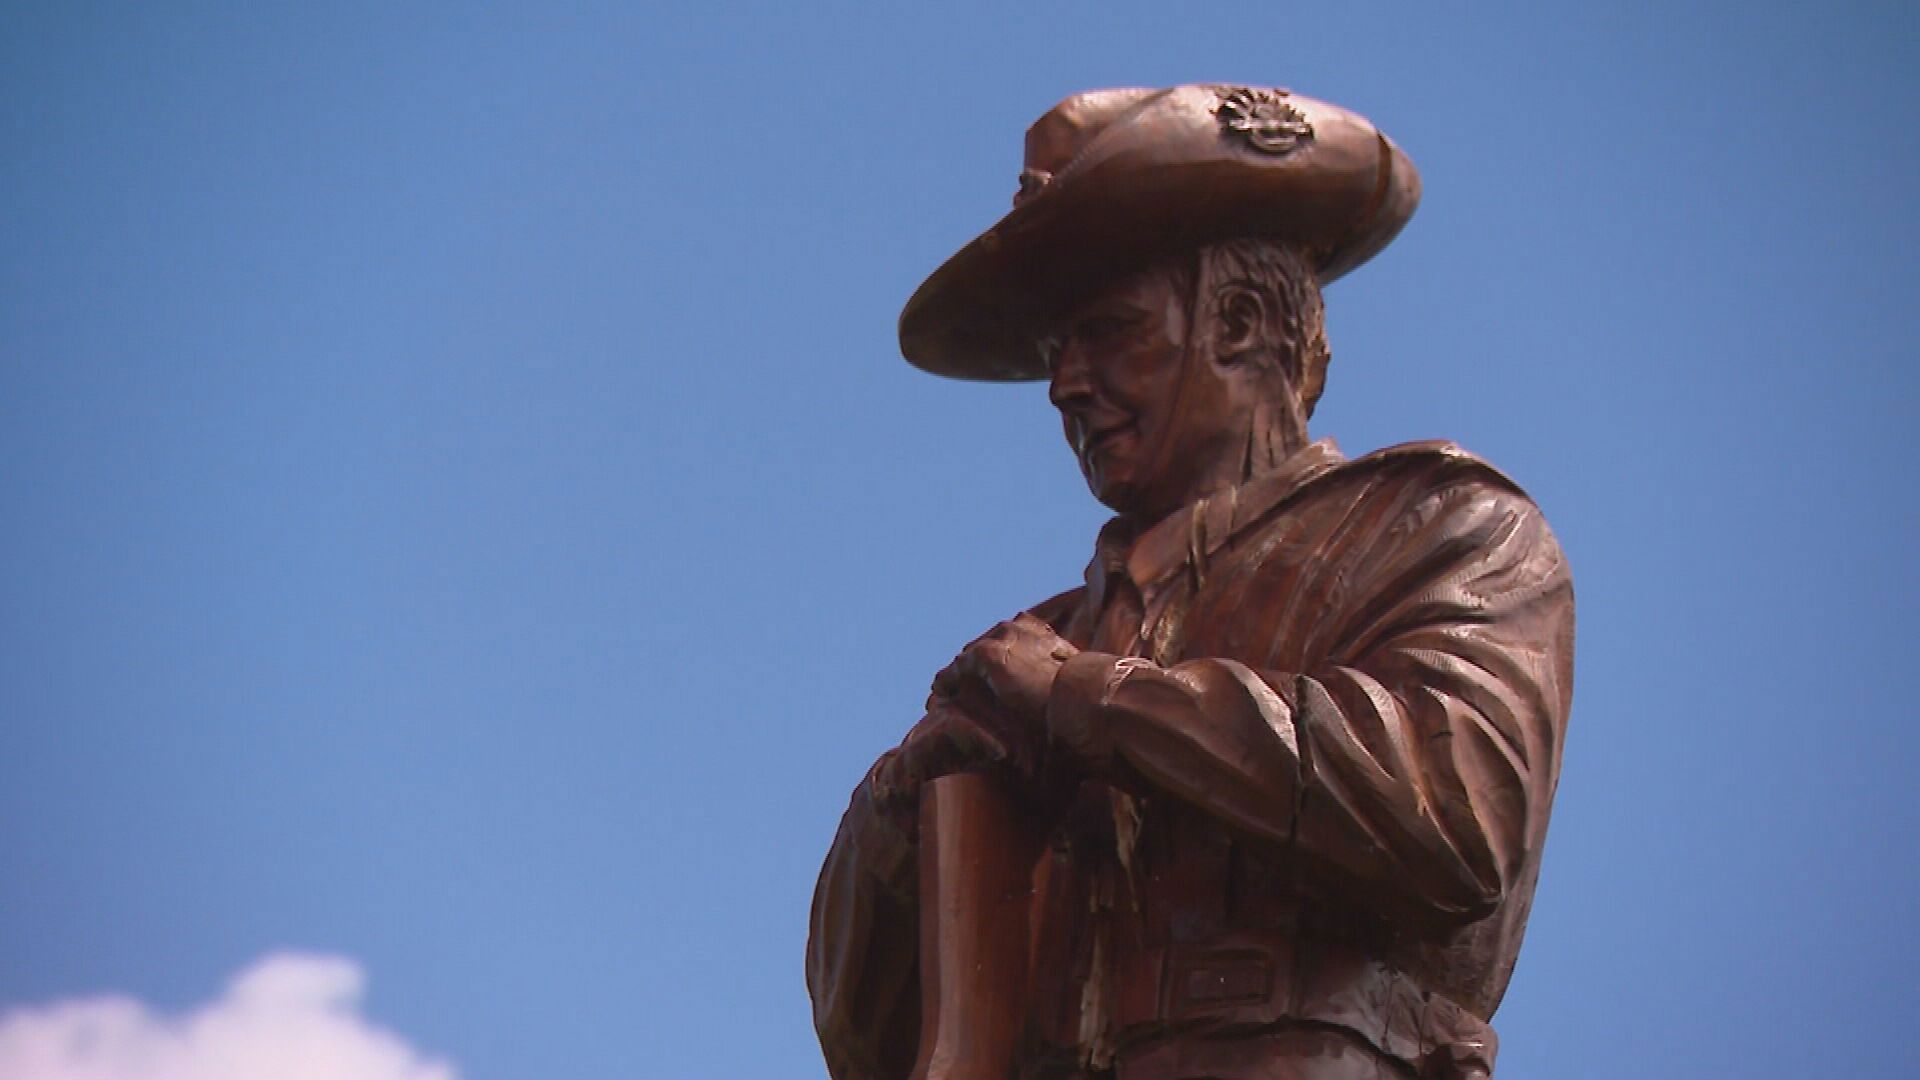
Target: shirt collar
{"x": 1188, "y": 536}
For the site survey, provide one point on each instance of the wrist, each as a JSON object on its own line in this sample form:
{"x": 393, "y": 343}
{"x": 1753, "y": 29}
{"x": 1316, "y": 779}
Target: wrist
{"x": 1078, "y": 713}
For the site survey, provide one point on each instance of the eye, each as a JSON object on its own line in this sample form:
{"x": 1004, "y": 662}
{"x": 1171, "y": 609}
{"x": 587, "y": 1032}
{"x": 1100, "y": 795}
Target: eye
{"x": 1103, "y": 328}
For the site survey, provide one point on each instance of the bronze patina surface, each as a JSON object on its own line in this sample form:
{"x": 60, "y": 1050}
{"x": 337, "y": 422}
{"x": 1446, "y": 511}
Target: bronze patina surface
{"x": 1265, "y": 796}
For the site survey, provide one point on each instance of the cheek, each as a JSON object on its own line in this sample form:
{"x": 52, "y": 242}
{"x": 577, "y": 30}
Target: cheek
{"x": 1150, "y": 383}
{"x": 1124, "y": 380}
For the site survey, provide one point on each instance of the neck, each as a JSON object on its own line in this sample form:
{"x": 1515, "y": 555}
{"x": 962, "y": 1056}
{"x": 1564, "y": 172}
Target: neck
{"x": 1269, "y": 444}
{"x": 1270, "y": 440}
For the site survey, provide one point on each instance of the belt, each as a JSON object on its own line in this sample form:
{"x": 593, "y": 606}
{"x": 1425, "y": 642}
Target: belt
{"x": 1248, "y": 983}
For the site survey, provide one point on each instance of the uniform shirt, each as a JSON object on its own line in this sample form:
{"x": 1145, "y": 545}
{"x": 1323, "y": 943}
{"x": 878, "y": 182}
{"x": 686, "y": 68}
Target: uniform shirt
{"x": 1316, "y": 724}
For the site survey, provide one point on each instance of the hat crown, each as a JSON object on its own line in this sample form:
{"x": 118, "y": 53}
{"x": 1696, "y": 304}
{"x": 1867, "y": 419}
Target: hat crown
{"x": 1058, "y": 137}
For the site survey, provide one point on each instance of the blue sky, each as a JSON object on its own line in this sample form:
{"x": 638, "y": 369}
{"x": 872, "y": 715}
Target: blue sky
{"x": 462, "y": 510}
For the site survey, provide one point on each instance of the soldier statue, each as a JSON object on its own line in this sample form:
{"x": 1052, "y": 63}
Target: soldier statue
{"x": 1264, "y": 797}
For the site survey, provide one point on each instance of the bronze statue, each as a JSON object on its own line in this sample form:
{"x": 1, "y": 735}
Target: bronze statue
{"x": 1265, "y": 797}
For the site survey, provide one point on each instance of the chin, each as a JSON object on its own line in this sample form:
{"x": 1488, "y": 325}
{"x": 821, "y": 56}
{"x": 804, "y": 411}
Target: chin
{"x": 1121, "y": 498}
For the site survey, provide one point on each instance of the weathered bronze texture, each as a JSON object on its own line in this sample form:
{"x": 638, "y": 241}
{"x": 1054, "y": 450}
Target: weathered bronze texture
{"x": 1265, "y": 796}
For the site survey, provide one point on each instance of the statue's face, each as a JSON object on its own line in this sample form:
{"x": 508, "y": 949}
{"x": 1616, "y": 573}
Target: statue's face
{"x": 1146, "y": 430}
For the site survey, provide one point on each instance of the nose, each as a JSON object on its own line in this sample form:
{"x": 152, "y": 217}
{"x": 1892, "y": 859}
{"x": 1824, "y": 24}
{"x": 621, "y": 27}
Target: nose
{"x": 1072, "y": 376}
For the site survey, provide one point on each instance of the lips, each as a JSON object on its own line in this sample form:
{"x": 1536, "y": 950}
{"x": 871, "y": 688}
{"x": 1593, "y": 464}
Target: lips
{"x": 1098, "y": 441}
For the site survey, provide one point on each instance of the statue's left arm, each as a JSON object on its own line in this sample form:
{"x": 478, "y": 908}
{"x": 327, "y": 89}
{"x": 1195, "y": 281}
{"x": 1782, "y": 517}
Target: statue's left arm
{"x": 863, "y": 967}
{"x": 1416, "y": 759}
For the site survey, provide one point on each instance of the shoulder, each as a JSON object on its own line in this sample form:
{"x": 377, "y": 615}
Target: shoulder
{"x": 1436, "y": 463}
{"x": 1432, "y": 496}
{"x": 1418, "y": 478}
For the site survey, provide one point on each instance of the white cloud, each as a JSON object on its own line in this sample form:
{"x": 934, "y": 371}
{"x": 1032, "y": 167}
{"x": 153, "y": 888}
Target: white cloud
{"x": 290, "y": 1016}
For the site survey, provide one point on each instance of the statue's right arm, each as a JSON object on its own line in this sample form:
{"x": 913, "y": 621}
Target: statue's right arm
{"x": 1413, "y": 761}
{"x": 863, "y": 958}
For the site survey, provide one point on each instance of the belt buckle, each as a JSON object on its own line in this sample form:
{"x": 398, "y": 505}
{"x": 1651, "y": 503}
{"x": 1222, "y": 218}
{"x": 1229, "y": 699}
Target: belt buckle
{"x": 1210, "y": 980}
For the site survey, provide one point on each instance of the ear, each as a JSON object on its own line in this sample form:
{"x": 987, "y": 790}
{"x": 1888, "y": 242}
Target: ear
{"x": 1241, "y": 315}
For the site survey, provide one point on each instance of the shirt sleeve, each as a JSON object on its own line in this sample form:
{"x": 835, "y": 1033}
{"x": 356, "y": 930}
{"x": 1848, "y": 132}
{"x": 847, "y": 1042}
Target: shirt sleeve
{"x": 1417, "y": 760}
{"x": 863, "y": 948}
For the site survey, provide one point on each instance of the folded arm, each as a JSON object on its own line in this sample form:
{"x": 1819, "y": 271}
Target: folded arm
{"x": 1416, "y": 761}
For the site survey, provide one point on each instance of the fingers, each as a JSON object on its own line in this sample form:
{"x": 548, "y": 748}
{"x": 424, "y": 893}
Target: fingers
{"x": 967, "y": 737}
{"x": 947, "y": 740}
{"x": 945, "y": 683}
{"x": 980, "y": 658}
{"x": 997, "y": 645}
{"x": 1008, "y": 668}
{"x": 976, "y": 660}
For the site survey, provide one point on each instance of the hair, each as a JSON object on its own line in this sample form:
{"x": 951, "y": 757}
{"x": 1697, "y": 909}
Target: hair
{"x": 1285, "y": 278}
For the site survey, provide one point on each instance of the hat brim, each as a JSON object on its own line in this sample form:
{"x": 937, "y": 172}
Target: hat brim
{"x": 1142, "y": 196}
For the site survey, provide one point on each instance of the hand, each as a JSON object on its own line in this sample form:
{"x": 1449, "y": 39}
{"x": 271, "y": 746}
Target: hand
{"x": 1012, "y": 665}
{"x": 947, "y": 740}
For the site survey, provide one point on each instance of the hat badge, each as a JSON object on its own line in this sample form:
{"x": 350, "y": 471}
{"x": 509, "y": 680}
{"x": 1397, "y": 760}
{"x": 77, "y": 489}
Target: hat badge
{"x": 1265, "y": 118}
